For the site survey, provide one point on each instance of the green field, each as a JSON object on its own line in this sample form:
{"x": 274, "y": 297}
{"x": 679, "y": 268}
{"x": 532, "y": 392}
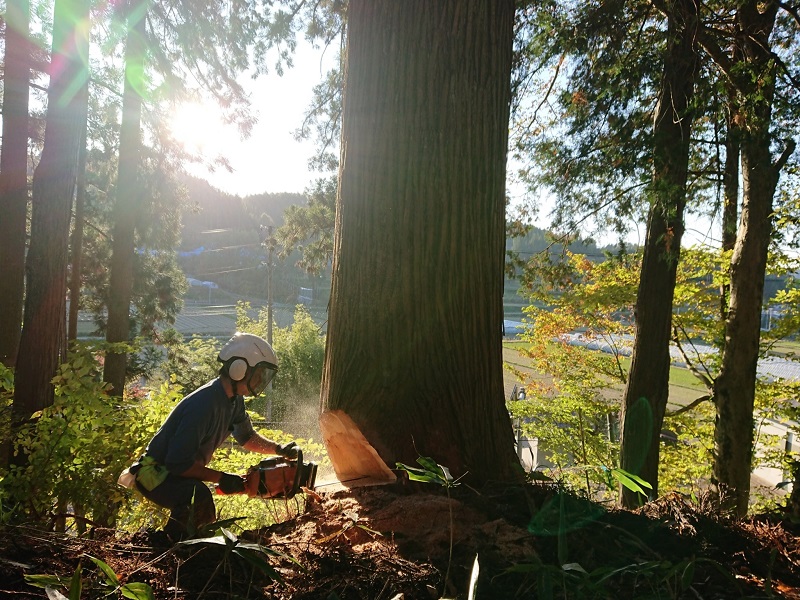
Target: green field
{"x": 684, "y": 386}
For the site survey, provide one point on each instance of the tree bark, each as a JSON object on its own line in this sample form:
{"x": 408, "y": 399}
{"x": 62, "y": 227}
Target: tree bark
{"x": 730, "y": 184}
{"x": 734, "y": 390}
{"x": 647, "y": 389}
{"x": 14, "y": 177}
{"x": 43, "y": 332}
{"x": 77, "y": 230}
{"x": 414, "y": 348}
{"x": 730, "y": 177}
{"x": 128, "y": 198}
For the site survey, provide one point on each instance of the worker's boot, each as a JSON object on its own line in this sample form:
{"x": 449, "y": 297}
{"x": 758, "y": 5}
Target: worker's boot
{"x": 186, "y": 520}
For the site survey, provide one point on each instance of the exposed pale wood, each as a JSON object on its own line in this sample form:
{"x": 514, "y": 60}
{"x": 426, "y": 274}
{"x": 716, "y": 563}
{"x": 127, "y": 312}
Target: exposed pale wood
{"x": 354, "y": 460}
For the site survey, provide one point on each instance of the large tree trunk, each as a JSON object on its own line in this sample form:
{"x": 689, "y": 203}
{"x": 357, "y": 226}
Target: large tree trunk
{"x": 734, "y": 390}
{"x": 43, "y": 332}
{"x": 414, "y": 353}
{"x": 647, "y": 389}
{"x": 14, "y": 177}
{"x": 129, "y": 191}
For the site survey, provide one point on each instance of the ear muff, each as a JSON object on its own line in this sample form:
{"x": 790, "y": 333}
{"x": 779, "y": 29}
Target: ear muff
{"x": 237, "y": 369}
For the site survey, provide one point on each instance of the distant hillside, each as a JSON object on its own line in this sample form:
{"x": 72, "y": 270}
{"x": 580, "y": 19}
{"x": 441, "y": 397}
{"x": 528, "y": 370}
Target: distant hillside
{"x": 538, "y": 240}
{"x": 222, "y": 245}
{"x": 214, "y": 210}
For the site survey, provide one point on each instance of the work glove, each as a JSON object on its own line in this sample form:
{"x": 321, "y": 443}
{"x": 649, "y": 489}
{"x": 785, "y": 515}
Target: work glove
{"x": 231, "y": 484}
{"x": 288, "y": 450}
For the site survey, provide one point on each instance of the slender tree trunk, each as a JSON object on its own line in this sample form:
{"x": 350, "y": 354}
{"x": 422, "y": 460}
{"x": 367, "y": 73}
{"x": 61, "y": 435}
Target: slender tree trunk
{"x": 730, "y": 209}
{"x": 14, "y": 177}
{"x": 44, "y": 326}
{"x": 793, "y": 503}
{"x": 77, "y": 229}
{"x": 734, "y": 390}
{"x": 414, "y": 353}
{"x": 647, "y": 389}
{"x": 129, "y": 191}
{"x": 730, "y": 183}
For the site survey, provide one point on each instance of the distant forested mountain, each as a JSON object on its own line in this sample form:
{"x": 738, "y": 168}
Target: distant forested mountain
{"x": 222, "y": 242}
{"x": 210, "y": 209}
{"x": 538, "y": 240}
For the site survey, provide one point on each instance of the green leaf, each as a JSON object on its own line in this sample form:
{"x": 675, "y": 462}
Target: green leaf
{"x": 687, "y": 576}
{"x": 230, "y": 538}
{"x": 574, "y": 567}
{"x": 137, "y": 591}
{"x": 44, "y": 581}
{"x": 263, "y": 549}
{"x": 75, "y": 585}
{"x": 368, "y": 530}
{"x": 428, "y": 464}
{"x": 258, "y": 560}
{"x": 111, "y": 576}
{"x": 423, "y": 475}
{"x": 441, "y": 472}
{"x": 218, "y": 540}
{"x": 639, "y": 480}
{"x": 446, "y": 472}
{"x": 631, "y": 481}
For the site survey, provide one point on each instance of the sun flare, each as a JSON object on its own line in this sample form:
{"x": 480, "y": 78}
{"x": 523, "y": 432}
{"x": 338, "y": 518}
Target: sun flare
{"x": 198, "y": 127}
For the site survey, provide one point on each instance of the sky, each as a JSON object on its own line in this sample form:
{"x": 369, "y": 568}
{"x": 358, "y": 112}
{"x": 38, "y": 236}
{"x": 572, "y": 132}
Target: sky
{"x": 270, "y": 160}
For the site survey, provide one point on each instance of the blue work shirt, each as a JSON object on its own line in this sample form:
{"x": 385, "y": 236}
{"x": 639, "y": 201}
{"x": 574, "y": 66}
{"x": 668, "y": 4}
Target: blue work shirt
{"x": 197, "y": 426}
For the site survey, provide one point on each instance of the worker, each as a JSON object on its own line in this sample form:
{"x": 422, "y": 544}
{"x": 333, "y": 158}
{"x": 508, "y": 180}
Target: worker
{"x": 174, "y": 467}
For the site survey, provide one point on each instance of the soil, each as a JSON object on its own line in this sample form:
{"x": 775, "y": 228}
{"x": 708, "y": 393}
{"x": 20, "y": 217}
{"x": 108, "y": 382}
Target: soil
{"x": 394, "y": 543}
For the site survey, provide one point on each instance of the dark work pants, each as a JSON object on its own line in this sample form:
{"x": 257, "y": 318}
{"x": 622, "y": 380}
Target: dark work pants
{"x": 190, "y": 503}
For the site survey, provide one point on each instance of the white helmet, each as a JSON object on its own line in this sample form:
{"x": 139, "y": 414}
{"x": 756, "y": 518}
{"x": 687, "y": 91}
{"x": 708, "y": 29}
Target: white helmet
{"x": 247, "y": 357}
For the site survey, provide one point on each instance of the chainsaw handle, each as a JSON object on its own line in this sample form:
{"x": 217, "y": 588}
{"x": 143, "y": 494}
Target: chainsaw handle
{"x": 298, "y": 470}
{"x": 218, "y": 491}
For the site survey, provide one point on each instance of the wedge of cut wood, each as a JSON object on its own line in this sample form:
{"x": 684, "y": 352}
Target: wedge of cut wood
{"x": 354, "y": 460}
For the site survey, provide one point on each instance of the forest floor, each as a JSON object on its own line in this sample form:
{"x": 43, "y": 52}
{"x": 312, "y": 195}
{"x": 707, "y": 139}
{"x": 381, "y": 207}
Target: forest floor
{"x": 412, "y": 541}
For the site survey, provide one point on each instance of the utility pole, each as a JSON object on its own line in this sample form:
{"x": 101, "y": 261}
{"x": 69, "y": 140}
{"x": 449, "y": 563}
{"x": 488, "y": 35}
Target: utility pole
{"x": 269, "y": 243}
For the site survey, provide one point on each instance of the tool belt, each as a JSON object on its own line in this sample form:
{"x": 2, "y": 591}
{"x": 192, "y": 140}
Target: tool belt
{"x": 149, "y": 472}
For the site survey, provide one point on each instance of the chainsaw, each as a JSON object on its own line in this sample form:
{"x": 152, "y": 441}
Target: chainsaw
{"x": 279, "y": 477}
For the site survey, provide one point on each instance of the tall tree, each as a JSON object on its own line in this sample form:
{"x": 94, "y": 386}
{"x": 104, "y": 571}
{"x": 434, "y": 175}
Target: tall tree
{"x": 753, "y": 70}
{"x": 647, "y": 388}
{"x": 14, "y": 177}
{"x": 128, "y": 196}
{"x": 44, "y": 326}
{"x": 192, "y": 50}
{"x": 414, "y": 353}
{"x": 76, "y": 241}
{"x": 587, "y": 146}
{"x": 730, "y": 183}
